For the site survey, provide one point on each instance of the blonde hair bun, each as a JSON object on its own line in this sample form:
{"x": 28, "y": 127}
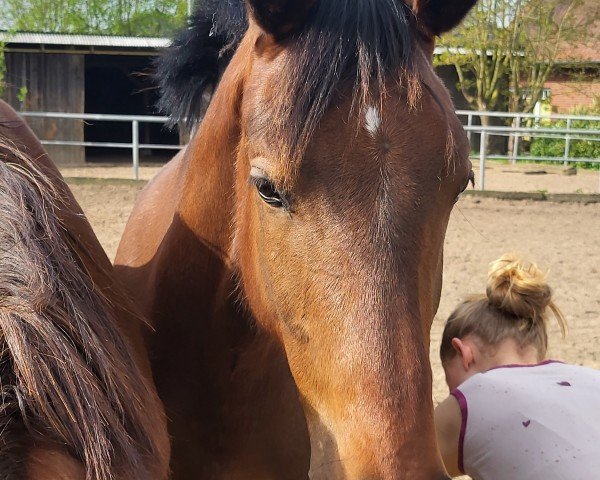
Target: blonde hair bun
{"x": 517, "y": 306}
{"x": 518, "y": 287}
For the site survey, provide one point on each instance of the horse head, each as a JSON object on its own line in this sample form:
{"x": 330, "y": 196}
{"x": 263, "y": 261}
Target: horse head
{"x": 348, "y": 159}
{"x": 349, "y": 164}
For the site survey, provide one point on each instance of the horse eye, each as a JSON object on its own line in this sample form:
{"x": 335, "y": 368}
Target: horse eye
{"x": 268, "y": 193}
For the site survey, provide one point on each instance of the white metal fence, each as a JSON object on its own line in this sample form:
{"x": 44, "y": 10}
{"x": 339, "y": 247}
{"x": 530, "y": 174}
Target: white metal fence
{"x": 527, "y": 126}
{"x": 135, "y": 120}
{"x": 518, "y": 126}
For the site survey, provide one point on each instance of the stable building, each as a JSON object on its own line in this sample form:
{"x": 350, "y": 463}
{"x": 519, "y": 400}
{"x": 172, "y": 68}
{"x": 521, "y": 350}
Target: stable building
{"x": 84, "y": 74}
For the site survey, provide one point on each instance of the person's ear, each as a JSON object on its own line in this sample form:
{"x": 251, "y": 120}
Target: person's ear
{"x": 464, "y": 351}
{"x": 280, "y": 18}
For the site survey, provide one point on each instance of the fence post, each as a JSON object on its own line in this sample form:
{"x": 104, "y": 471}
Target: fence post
{"x": 567, "y": 143}
{"x": 135, "y": 146}
{"x": 469, "y": 124}
{"x": 517, "y": 138}
{"x": 482, "y": 155}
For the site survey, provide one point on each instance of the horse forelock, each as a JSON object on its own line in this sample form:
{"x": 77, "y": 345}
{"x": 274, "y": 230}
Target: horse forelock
{"x": 345, "y": 46}
{"x": 192, "y": 66}
{"x": 344, "y": 42}
{"x": 67, "y": 374}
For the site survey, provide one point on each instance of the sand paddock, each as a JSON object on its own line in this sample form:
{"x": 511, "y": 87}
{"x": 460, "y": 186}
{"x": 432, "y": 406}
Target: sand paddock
{"x": 564, "y": 238}
{"x": 499, "y": 176}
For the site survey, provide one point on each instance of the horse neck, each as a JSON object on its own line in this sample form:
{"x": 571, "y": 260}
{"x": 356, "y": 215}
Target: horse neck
{"x": 96, "y": 327}
{"x": 206, "y": 206}
{"x": 83, "y": 240}
{"x": 239, "y": 358}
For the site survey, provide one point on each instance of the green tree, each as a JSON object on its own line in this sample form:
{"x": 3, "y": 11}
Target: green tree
{"x": 2, "y": 70}
{"x": 479, "y": 51}
{"x": 506, "y": 49}
{"x": 112, "y": 17}
{"x": 3, "y": 63}
{"x": 541, "y": 31}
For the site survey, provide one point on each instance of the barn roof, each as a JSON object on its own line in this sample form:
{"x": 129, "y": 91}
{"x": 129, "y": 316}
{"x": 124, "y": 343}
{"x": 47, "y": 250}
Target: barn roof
{"x": 44, "y": 41}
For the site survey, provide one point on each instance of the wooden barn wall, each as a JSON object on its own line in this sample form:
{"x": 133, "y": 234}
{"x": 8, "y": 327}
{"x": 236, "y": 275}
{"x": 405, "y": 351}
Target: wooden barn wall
{"x": 55, "y": 83}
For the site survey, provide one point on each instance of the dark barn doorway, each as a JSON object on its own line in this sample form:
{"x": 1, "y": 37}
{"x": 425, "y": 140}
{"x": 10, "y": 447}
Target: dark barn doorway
{"x": 122, "y": 85}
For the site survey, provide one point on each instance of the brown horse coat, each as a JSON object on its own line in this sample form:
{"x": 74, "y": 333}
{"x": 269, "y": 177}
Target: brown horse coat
{"x": 77, "y": 397}
{"x": 290, "y": 258}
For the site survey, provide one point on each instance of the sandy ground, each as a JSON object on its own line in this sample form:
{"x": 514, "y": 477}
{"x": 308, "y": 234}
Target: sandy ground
{"x": 108, "y": 208}
{"x": 535, "y": 178}
{"x": 564, "y": 238}
{"x": 499, "y": 176}
{"x": 147, "y": 171}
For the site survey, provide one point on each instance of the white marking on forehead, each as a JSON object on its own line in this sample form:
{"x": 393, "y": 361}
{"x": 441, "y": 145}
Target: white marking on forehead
{"x": 372, "y": 120}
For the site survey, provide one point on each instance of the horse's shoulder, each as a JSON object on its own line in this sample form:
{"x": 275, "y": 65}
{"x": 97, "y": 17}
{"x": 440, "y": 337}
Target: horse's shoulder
{"x": 151, "y": 216}
{"x": 139, "y": 252}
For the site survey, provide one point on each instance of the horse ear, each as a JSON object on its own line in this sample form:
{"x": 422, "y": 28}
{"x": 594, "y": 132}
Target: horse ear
{"x": 280, "y": 17}
{"x": 439, "y": 16}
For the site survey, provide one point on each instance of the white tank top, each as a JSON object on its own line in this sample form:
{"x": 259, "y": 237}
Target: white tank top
{"x": 531, "y": 423}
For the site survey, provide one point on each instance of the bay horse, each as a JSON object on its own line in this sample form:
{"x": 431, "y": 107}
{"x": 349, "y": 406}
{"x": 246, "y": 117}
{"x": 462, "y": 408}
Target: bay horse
{"x": 77, "y": 401}
{"x": 290, "y": 258}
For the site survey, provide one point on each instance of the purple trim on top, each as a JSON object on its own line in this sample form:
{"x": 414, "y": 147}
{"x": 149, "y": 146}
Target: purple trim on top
{"x": 516, "y": 365}
{"x": 464, "y": 413}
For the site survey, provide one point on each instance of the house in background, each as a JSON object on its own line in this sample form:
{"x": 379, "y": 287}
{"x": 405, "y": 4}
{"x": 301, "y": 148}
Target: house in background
{"x": 576, "y": 80}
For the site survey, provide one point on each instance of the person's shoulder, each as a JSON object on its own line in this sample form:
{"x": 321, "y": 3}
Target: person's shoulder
{"x": 578, "y": 368}
{"x": 588, "y": 374}
{"x": 448, "y": 413}
{"x": 528, "y": 380}
{"x": 448, "y": 425}
{"x": 474, "y": 383}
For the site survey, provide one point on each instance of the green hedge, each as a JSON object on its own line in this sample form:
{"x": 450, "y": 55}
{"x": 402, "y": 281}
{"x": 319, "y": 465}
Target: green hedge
{"x": 555, "y": 147}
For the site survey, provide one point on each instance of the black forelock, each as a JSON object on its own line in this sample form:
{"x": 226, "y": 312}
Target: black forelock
{"x": 193, "y": 64}
{"x": 358, "y": 40}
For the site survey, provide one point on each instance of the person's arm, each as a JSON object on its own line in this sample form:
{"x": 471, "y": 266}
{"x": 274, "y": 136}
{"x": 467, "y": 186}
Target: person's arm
{"x": 448, "y": 422}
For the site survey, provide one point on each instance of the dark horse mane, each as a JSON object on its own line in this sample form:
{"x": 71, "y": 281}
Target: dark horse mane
{"x": 67, "y": 377}
{"x": 343, "y": 40}
{"x": 198, "y": 55}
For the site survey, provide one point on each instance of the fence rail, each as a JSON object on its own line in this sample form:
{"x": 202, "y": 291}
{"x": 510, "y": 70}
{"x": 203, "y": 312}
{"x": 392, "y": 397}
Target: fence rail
{"x": 134, "y": 145}
{"x": 519, "y": 126}
{"x": 540, "y": 127}
{"x": 534, "y": 116}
